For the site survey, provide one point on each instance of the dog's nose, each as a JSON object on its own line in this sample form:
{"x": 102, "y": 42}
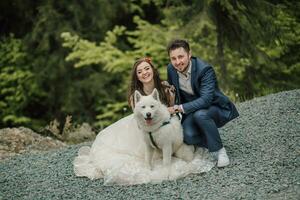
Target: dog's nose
{"x": 148, "y": 114}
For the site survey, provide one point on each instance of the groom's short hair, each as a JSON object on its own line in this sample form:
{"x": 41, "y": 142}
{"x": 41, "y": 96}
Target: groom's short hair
{"x": 177, "y": 43}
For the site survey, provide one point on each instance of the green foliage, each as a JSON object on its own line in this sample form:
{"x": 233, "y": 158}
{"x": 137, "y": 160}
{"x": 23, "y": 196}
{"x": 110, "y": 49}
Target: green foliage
{"x": 253, "y": 46}
{"x": 69, "y": 91}
{"x": 61, "y": 89}
{"x": 17, "y": 83}
{"x": 111, "y": 112}
{"x": 224, "y": 33}
{"x": 106, "y": 54}
{"x": 113, "y": 58}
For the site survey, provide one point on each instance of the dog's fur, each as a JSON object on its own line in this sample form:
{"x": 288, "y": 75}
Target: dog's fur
{"x": 150, "y": 115}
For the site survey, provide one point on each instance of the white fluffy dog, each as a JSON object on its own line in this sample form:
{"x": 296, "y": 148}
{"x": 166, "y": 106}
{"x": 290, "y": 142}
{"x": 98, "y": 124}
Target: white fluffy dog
{"x": 161, "y": 131}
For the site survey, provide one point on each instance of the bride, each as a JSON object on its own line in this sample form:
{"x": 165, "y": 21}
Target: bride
{"x": 117, "y": 154}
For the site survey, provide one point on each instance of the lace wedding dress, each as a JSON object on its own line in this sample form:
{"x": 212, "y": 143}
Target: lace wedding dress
{"x": 117, "y": 156}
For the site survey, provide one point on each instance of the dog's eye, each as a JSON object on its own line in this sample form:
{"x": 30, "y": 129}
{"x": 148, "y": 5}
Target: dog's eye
{"x": 143, "y": 106}
{"x": 152, "y": 106}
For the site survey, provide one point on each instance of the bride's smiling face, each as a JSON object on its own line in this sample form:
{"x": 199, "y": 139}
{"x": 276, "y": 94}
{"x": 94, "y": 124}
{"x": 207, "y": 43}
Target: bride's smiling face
{"x": 144, "y": 72}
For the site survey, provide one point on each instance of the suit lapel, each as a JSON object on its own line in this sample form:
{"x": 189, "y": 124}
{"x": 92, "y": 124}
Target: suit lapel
{"x": 193, "y": 75}
{"x": 176, "y": 78}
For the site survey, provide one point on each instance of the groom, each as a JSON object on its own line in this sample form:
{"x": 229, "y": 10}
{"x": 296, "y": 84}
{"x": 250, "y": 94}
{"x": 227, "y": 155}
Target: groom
{"x": 204, "y": 107}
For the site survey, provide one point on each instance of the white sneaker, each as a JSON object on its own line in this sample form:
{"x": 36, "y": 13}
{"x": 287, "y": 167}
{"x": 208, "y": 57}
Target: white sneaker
{"x": 223, "y": 159}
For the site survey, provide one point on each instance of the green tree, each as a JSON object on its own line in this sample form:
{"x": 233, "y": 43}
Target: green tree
{"x": 243, "y": 40}
{"x": 68, "y": 91}
{"x": 18, "y": 84}
{"x": 62, "y": 90}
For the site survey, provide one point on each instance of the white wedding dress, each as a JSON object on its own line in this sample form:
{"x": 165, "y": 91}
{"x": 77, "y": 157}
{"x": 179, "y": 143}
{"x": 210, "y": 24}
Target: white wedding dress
{"x": 117, "y": 156}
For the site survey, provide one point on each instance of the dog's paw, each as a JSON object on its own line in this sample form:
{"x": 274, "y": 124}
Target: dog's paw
{"x": 166, "y": 171}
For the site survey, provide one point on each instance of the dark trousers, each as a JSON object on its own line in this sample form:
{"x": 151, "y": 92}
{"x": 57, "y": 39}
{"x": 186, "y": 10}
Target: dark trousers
{"x": 201, "y": 128}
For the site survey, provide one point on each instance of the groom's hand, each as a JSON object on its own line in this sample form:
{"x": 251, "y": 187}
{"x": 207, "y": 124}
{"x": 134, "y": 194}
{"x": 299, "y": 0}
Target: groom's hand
{"x": 174, "y": 109}
{"x": 171, "y": 110}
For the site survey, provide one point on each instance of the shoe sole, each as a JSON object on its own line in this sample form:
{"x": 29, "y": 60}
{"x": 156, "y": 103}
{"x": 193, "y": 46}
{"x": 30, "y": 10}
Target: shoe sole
{"x": 224, "y": 165}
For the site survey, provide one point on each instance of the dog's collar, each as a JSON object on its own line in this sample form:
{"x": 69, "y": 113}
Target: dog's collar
{"x": 165, "y": 123}
{"x": 151, "y": 137}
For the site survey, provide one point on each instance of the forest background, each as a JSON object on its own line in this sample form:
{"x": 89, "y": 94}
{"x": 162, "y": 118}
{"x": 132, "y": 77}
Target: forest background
{"x": 61, "y": 58}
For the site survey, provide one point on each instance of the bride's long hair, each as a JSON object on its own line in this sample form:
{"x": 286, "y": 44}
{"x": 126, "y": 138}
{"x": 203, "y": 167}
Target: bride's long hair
{"x": 135, "y": 84}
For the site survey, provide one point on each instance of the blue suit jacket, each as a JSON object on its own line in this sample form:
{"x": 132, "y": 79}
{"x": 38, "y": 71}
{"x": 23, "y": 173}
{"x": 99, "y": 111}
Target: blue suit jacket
{"x": 206, "y": 90}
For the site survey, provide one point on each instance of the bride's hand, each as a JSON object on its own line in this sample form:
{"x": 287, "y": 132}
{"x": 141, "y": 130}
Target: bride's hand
{"x": 172, "y": 98}
{"x": 170, "y": 92}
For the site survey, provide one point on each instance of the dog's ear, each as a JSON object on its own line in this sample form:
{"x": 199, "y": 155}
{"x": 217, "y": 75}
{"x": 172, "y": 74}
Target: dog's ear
{"x": 137, "y": 97}
{"x": 155, "y": 94}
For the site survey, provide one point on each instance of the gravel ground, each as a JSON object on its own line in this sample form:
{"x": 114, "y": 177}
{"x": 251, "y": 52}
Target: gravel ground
{"x": 263, "y": 144}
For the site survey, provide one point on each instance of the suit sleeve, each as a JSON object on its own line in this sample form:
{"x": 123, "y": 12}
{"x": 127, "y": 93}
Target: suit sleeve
{"x": 207, "y": 81}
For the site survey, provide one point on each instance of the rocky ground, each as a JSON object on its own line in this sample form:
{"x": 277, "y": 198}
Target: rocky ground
{"x": 16, "y": 141}
{"x": 263, "y": 144}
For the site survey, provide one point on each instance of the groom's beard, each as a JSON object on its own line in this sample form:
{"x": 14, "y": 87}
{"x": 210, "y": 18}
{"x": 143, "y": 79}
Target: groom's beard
{"x": 184, "y": 70}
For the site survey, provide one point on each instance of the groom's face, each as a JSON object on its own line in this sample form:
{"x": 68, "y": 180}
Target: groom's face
{"x": 180, "y": 59}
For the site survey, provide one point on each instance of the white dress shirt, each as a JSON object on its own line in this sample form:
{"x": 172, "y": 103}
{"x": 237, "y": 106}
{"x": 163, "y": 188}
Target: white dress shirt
{"x": 185, "y": 82}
